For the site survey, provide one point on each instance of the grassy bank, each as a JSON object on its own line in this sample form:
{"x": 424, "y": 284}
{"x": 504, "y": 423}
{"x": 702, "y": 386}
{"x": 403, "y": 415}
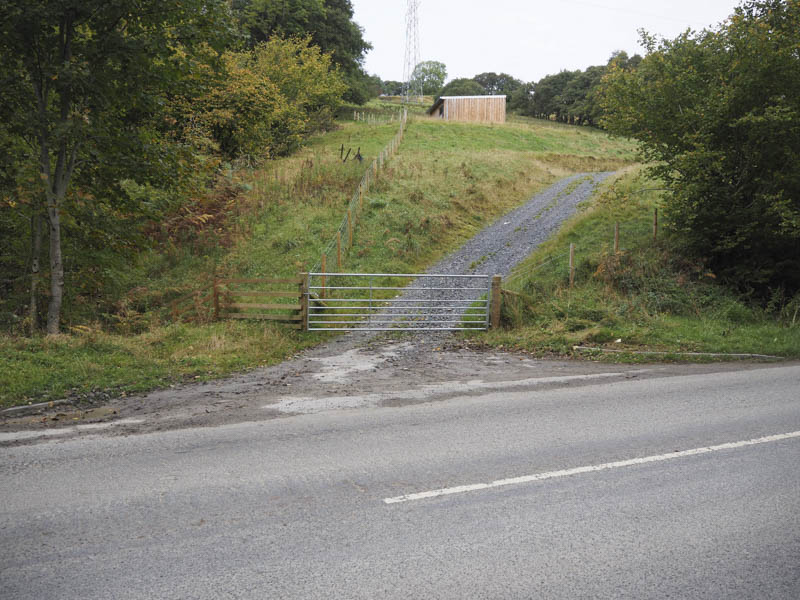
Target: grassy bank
{"x": 446, "y": 182}
{"x": 645, "y": 297}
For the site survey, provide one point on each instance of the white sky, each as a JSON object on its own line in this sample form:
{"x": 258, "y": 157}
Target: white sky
{"x": 527, "y": 39}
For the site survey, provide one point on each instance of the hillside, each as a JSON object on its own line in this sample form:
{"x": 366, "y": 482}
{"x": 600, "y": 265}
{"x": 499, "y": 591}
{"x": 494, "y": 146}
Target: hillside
{"x": 446, "y": 182}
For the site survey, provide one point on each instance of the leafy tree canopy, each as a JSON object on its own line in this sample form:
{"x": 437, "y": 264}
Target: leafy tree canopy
{"x": 329, "y": 23}
{"x": 495, "y": 84}
{"x": 463, "y": 87}
{"x": 431, "y": 75}
{"x": 718, "y": 115}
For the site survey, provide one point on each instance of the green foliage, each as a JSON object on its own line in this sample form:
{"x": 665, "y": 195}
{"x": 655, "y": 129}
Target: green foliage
{"x": 718, "y": 115}
{"x": 569, "y": 96}
{"x": 430, "y": 76}
{"x": 495, "y": 84}
{"x": 271, "y": 98}
{"x": 330, "y": 25}
{"x": 392, "y": 88}
{"x": 84, "y": 89}
{"x": 462, "y": 87}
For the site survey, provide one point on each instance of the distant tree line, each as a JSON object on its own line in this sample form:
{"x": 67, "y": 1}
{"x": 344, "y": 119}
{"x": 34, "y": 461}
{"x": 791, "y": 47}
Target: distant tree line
{"x": 569, "y": 96}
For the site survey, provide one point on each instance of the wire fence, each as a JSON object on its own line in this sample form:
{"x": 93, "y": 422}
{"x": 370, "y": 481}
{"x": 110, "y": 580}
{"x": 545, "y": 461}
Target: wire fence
{"x": 565, "y": 263}
{"x": 335, "y": 252}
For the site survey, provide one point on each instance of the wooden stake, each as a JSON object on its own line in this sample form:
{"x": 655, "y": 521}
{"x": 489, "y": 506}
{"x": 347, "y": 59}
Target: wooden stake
{"x": 571, "y": 265}
{"x": 349, "y": 228}
{"x": 360, "y": 198}
{"x": 495, "y": 301}
{"x": 339, "y": 250}
{"x": 304, "y": 300}
{"x": 616, "y": 237}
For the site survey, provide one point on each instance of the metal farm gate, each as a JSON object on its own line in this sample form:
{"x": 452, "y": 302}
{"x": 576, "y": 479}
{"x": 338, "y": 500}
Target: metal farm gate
{"x": 381, "y": 302}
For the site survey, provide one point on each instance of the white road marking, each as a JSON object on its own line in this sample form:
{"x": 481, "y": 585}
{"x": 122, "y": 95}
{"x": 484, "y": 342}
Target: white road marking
{"x": 590, "y": 469}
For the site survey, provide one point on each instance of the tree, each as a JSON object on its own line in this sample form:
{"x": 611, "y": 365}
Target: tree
{"x": 521, "y": 100}
{"x": 549, "y": 95}
{"x": 392, "y": 88}
{"x": 498, "y": 85}
{"x": 271, "y": 98}
{"x": 329, "y": 23}
{"x": 718, "y": 116}
{"x": 431, "y": 75}
{"x": 81, "y": 75}
{"x": 462, "y": 87}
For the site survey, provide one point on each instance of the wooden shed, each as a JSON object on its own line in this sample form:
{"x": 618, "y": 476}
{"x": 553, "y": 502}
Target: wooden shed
{"x": 479, "y": 109}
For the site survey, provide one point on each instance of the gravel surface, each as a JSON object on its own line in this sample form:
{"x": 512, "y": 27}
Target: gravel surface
{"x": 495, "y": 250}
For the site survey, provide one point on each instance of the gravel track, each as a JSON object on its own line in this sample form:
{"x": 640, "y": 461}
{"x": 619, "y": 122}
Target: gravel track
{"x": 497, "y": 249}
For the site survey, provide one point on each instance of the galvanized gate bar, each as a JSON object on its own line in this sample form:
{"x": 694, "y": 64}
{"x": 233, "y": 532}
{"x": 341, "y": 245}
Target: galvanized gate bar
{"x": 455, "y": 307}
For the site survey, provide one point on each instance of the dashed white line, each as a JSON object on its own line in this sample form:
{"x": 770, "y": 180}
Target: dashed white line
{"x": 590, "y": 468}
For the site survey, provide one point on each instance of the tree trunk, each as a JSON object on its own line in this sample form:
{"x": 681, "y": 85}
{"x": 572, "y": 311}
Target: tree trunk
{"x": 36, "y": 252}
{"x": 56, "y": 270}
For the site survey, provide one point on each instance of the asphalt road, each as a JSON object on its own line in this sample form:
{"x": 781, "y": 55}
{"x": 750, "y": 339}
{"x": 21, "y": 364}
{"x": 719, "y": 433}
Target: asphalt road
{"x": 317, "y": 505}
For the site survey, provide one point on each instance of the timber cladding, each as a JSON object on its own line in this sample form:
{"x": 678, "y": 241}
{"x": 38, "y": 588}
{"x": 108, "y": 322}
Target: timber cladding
{"x": 477, "y": 109}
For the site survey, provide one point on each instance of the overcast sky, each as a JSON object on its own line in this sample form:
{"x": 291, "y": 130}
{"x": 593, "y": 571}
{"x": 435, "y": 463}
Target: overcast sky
{"x": 527, "y": 39}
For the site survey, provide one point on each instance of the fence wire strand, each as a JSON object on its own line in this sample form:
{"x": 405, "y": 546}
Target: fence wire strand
{"x": 352, "y": 207}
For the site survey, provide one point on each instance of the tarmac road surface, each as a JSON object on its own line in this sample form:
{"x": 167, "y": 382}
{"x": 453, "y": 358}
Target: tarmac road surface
{"x": 674, "y": 486}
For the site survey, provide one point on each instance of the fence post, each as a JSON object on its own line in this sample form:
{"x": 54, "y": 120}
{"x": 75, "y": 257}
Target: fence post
{"x": 360, "y": 198}
{"x": 349, "y": 228}
{"x": 616, "y": 237}
{"x": 322, "y": 291}
{"x": 655, "y": 224}
{"x": 571, "y": 265}
{"x": 216, "y": 298}
{"x": 304, "y": 301}
{"x": 339, "y": 250}
{"x": 496, "y": 299}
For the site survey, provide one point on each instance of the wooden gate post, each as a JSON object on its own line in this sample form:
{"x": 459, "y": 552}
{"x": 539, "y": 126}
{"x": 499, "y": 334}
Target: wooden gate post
{"x": 497, "y": 298}
{"x": 304, "y": 301}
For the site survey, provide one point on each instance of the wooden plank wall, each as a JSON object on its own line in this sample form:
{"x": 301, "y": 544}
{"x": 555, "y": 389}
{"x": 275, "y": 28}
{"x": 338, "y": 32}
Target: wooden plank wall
{"x": 481, "y": 110}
